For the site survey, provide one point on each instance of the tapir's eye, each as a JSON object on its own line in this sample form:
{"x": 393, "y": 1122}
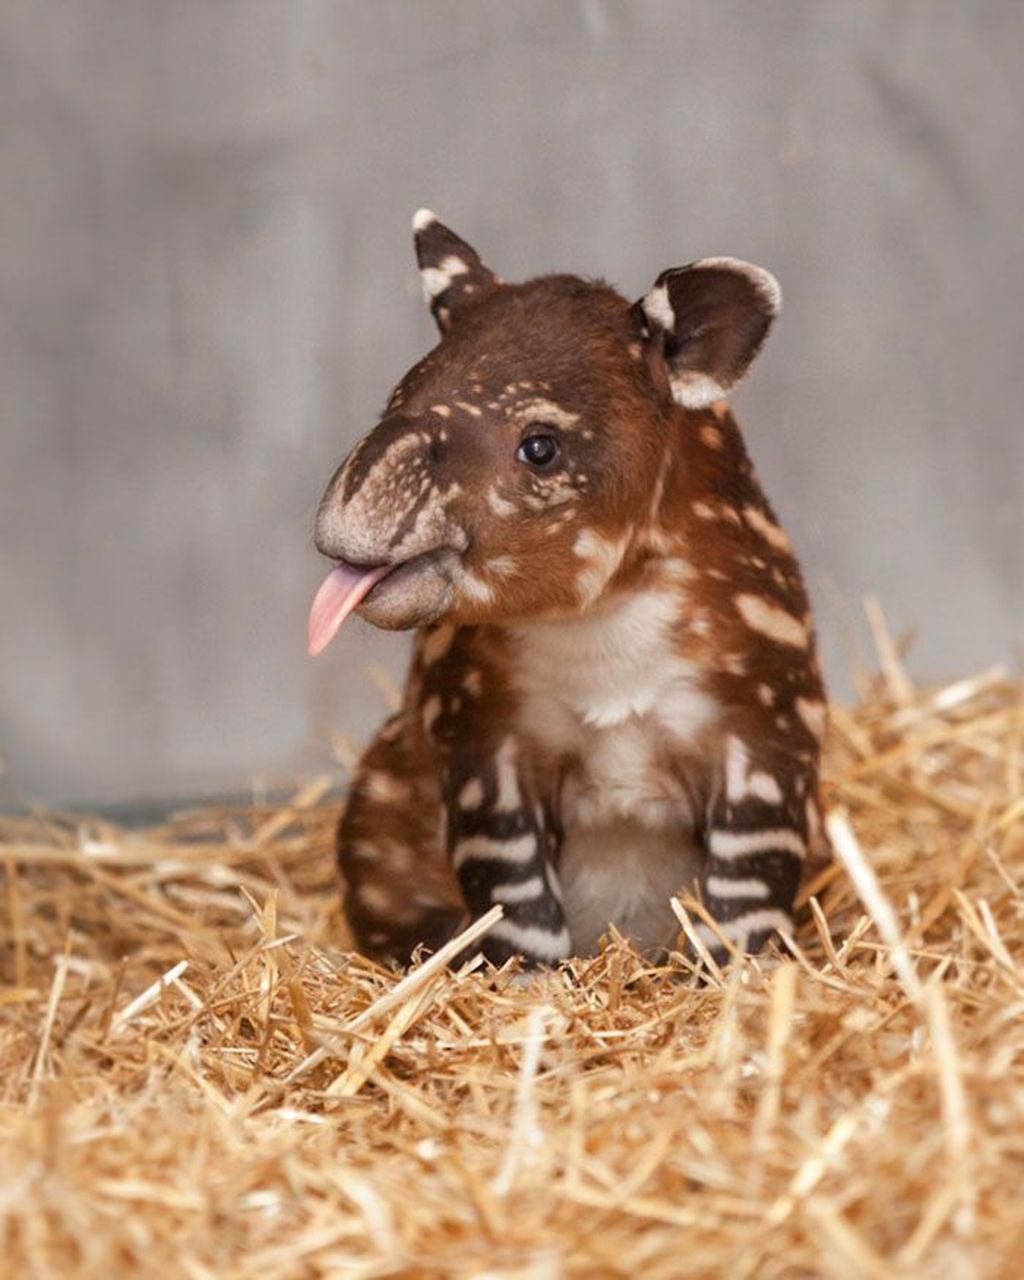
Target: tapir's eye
{"x": 539, "y": 451}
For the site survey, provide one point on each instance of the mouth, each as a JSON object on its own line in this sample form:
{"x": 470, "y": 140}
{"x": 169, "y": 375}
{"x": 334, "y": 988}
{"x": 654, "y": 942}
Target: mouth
{"x": 348, "y": 586}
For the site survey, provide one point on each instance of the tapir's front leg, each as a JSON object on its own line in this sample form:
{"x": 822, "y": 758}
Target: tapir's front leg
{"x": 499, "y": 834}
{"x": 501, "y": 844}
{"x": 760, "y": 823}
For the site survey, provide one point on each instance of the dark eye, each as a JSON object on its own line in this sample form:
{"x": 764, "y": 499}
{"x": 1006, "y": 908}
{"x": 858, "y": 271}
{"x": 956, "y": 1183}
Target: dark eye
{"x": 538, "y": 451}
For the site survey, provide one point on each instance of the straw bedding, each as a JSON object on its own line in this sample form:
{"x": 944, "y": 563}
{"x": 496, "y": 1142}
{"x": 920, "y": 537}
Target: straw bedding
{"x": 199, "y": 1080}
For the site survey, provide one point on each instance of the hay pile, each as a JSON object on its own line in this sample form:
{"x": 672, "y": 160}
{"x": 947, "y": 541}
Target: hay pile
{"x": 198, "y": 1081}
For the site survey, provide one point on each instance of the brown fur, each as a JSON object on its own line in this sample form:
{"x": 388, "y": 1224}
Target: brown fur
{"x": 651, "y": 502}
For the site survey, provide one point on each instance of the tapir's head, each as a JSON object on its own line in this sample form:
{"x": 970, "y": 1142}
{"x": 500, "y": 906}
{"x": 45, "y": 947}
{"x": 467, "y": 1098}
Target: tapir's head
{"x": 515, "y": 464}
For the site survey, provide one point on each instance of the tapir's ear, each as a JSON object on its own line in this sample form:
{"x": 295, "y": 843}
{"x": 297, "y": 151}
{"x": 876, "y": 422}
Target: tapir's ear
{"x": 453, "y": 275}
{"x": 709, "y": 320}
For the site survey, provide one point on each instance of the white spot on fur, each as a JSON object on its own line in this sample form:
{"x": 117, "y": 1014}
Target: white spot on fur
{"x": 441, "y": 410}
{"x": 532, "y": 940}
{"x": 439, "y": 278}
{"x": 703, "y": 511}
{"x": 473, "y": 682}
{"x": 546, "y": 411}
{"x": 764, "y": 787}
{"x": 677, "y": 570}
{"x": 740, "y": 844}
{"x": 474, "y": 587}
{"x": 712, "y": 437}
{"x": 695, "y": 390}
{"x": 771, "y": 621}
{"x": 549, "y": 491}
{"x": 724, "y": 888}
{"x": 813, "y": 821}
{"x": 519, "y": 891}
{"x": 766, "y": 694}
{"x": 431, "y": 710}
{"x": 391, "y": 731}
{"x": 768, "y": 530}
{"x": 517, "y": 850}
{"x": 741, "y": 782}
{"x": 375, "y": 898}
{"x": 814, "y": 714}
{"x": 602, "y": 556}
{"x": 383, "y": 787}
{"x": 472, "y": 795}
{"x": 437, "y": 643}
{"x": 499, "y": 505}
{"x": 422, "y": 219}
{"x": 658, "y": 309}
{"x": 508, "y": 799}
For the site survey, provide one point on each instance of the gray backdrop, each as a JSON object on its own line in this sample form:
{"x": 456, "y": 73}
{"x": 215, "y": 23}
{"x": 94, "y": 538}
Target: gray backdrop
{"x": 208, "y": 288}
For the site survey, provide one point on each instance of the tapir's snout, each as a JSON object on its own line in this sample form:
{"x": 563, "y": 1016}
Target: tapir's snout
{"x": 388, "y": 524}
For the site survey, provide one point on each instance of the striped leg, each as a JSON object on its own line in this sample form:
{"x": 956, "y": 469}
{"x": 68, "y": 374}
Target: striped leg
{"x": 756, "y": 841}
{"x": 500, "y": 845}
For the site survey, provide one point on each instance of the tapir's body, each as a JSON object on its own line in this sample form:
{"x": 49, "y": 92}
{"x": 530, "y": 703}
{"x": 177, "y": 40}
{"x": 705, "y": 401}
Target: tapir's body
{"x": 614, "y": 693}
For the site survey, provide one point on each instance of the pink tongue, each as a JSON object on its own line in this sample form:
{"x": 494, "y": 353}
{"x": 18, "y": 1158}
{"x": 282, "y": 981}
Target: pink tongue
{"x": 341, "y": 591}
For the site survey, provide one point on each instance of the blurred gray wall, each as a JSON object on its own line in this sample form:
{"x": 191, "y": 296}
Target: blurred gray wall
{"x": 208, "y": 289}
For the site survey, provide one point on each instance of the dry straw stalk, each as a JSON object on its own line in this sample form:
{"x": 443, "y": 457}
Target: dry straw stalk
{"x": 198, "y": 1080}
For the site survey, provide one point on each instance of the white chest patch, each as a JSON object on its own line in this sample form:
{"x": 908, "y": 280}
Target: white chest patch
{"x": 616, "y": 663}
{"x": 610, "y": 692}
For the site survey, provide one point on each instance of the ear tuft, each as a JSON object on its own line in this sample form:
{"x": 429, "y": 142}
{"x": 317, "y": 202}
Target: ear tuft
{"x": 451, "y": 272}
{"x": 709, "y": 321}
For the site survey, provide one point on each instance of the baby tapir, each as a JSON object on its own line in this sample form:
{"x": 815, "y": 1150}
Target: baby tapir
{"x": 614, "y": 693}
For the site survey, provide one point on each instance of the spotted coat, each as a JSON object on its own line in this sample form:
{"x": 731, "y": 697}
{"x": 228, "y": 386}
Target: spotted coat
{"x": 614, "y": 693}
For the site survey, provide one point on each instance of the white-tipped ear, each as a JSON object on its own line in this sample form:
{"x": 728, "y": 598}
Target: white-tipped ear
{"x": 452, "y": 274}
{"x": 709, "y": 320}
